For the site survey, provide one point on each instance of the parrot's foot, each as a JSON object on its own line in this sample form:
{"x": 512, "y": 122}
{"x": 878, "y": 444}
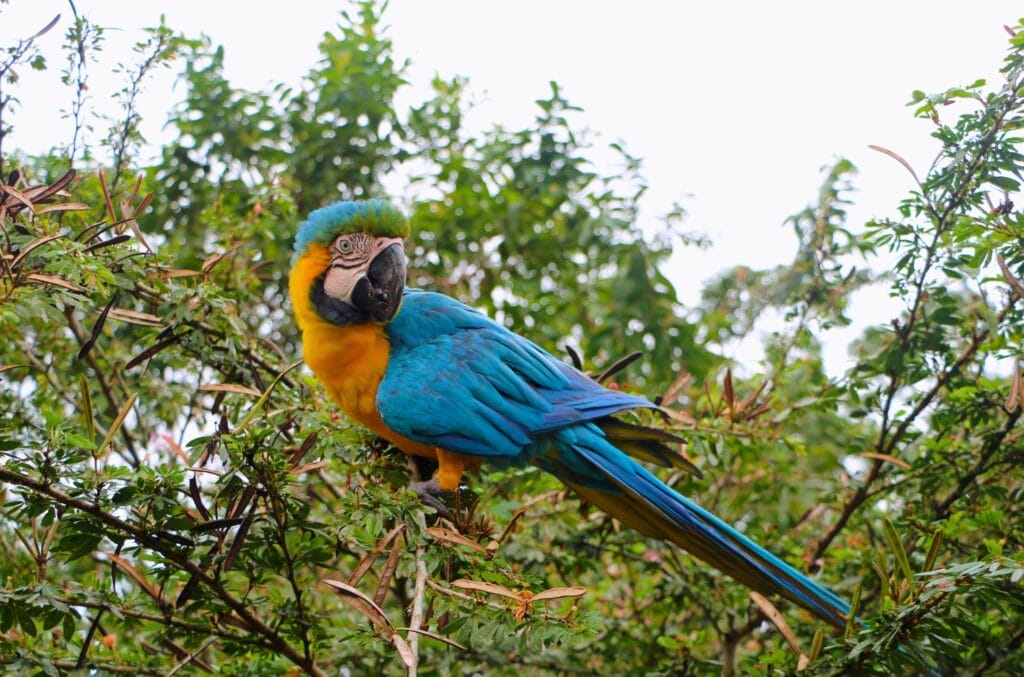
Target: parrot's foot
{"x": 429, "y": 493}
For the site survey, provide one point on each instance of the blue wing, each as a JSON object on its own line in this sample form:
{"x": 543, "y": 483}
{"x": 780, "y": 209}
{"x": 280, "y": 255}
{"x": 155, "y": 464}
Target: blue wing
{"x": 457, "y": 380}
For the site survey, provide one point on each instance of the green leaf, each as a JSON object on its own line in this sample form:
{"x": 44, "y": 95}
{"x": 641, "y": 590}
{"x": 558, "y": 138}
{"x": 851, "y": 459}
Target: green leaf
{"x": 1005, "y": 183}
{"x": 900, "y": 554}
{"x": 80, "y": 442}
{"x": 933, "y": 550}
{"x": 851, "y": 619}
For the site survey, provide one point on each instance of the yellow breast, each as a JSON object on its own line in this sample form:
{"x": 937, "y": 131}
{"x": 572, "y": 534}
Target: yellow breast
{"x": 350, "y": 361}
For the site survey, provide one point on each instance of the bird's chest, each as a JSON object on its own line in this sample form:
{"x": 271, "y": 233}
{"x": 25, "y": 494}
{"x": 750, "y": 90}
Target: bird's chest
{"x": 350, "y": 362}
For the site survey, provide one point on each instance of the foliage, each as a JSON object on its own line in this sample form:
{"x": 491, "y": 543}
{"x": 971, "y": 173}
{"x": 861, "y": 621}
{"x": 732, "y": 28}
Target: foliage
{"x": 177, "y": 493}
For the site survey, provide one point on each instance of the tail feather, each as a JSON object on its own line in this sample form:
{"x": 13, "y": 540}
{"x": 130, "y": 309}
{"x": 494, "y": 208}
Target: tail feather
{"x": 647, "y": 444}
{"x": 649, "y": 506}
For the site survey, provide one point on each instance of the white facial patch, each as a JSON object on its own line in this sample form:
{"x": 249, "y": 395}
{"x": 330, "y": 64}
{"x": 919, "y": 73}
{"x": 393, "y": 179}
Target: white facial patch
{"x": 350, "y": 258}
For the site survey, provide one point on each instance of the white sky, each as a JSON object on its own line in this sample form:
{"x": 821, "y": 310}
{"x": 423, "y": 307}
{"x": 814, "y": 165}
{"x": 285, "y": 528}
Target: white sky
{"x": 733, "y": 106}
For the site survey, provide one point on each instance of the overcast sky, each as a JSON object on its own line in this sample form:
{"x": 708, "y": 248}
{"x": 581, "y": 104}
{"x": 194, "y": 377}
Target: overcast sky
{"x": 734, "y": 106}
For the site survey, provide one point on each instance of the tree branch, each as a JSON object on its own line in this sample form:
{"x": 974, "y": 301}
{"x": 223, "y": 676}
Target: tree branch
{"x": 992, "y": 445}
{"x": 155, "y": 543}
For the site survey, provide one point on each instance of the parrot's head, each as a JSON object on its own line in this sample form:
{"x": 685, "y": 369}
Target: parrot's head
{"x": 349, "y": 264}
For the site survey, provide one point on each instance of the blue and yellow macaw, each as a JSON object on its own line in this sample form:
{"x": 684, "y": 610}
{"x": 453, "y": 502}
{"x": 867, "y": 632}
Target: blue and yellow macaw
{"x": 440, "y": 380}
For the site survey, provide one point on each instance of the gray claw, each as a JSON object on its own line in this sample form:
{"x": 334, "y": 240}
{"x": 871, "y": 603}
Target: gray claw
{"x": 429, "y": 491}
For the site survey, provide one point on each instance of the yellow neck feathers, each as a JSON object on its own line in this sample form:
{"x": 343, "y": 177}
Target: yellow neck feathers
{"x": 349, "y": 361}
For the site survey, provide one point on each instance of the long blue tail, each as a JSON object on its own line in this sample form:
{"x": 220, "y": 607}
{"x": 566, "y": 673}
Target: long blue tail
{"x": 645, "y": 503}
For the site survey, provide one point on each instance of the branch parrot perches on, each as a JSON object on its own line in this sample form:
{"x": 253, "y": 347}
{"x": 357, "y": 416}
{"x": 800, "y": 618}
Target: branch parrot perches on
{"x": 439, "y": 379}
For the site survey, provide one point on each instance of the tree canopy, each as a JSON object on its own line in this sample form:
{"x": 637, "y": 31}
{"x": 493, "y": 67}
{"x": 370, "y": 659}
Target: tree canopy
{"x": 178, "y": 494}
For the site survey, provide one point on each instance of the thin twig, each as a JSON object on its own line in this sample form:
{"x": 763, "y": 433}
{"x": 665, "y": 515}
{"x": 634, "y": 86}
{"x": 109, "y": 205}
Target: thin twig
{"x": 886, "y": 443}
{"x": 419, "y": 592}
{"x": 148, "y": 539}
{"x": 192, "y": 656}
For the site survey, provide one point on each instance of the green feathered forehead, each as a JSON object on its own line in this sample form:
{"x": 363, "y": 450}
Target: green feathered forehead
{"x": 374, "y": 217}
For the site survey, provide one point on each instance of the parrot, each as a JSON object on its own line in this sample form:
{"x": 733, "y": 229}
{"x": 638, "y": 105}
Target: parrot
{"x": 440, "y": 380}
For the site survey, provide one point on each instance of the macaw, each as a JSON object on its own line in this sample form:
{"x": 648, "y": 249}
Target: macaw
{"x": 441, "y": 380}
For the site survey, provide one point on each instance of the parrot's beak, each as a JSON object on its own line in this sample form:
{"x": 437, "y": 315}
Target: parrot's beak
{"x": 379, "y": 293}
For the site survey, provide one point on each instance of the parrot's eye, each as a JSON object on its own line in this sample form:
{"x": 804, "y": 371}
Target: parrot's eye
{"x": 344, "y": 247}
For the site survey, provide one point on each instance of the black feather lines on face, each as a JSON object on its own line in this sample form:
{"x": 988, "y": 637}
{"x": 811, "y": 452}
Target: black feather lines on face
{"x": 351, "y": 251}
{"x": 334, "y": 310}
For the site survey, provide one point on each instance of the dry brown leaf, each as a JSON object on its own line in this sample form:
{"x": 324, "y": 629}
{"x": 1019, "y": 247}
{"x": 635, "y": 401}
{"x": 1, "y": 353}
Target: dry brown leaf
{"x": 135, "y": 317}
{"x": 1016, "y": 397}
{"x": 126, "y": 566}
{"x": 45, "y": 29}
{"x": 1020, "y": 399}
{"x": 308, "y": 467}
{"x": 773, "y": 615}
{"x": 34, "y": 244}
{"x": 1014, "y": 283}
{"x": 560, "y": 593}
{"x": 492, "y": 588}
{"x": 106, "y": 198}
{"x": 175, "y": 447}
{"x": 897, "y": 158}
{"x": 229, "y": 388}
{"x": 61, "y": 207}
{"x": 404, "y": 651}
{"x": 41, "y": 192}
{"x": 729, "y": 395}
{"x": 178, "y": 272}
{"x": 682, "y": 379}
{"x": 213, "y": 259}
{"x": 56, "y": 281}
{"x": 116, "y": 425}
{"x": 141, "y": 207}
{"x": 19, "y": 196}
{"x": 129, "y": 219}
{"x": 455, "y": 537}
{"x": 361, "y": 603}
{"x": 885, "y": 457}
{"x": 368, "y": 559}
{"x": 388, "y": 572}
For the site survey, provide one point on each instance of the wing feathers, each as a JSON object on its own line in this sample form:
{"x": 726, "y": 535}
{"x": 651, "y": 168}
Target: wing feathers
{"x": 458, "y": 381}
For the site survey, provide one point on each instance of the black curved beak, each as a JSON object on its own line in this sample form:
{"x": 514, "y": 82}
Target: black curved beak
{"x": 380, "y": 293}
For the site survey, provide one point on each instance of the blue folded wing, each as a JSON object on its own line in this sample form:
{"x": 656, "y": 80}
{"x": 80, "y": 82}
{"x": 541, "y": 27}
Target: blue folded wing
{"x": 459, "y": 381}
